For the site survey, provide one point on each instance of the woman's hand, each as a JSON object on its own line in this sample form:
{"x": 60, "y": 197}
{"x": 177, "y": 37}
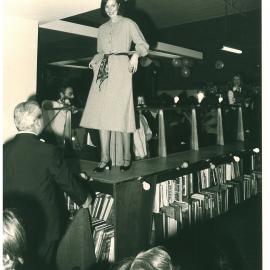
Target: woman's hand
{"x": 92, "y": 64}
{"x": 133, "y": 63}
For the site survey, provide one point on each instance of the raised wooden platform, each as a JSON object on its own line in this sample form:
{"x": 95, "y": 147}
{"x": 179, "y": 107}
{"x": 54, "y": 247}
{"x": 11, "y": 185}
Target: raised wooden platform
{"x": 133, "y": 205}
{"x": 159, "y": 165}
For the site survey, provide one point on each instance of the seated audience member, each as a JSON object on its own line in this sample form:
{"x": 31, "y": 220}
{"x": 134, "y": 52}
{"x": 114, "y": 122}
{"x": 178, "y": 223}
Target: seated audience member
{"x": 141, "y": 137}
{"x": 14, "y": 241}
{"x": 57, "y": 115}
{"x": 152, "y": 119}
{"x": 35, "y": 177}
{"x": 153, "y": 259}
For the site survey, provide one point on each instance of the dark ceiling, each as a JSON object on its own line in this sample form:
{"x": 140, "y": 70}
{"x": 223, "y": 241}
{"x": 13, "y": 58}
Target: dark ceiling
{"x": 200, "y": 25}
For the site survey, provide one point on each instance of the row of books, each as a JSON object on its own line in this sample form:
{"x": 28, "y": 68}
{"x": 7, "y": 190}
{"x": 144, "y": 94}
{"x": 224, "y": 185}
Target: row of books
{"x": 172, "y": 190}
{"x": 181, "y": 188}
{"x": 103, "y": 235}
{"x": 103, "y": 207}
{"x": 203, "y": 205}
{"x": 256, "y": 161}
{"x": 257, "y": 175}
{"x": 101, "y": 212}
{"x": 251, "y": 185}
{"x": 218, "y": 175}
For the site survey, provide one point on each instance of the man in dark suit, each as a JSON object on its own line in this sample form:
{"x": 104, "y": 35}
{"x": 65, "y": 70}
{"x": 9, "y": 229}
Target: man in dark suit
{"x": 34, "y": 178}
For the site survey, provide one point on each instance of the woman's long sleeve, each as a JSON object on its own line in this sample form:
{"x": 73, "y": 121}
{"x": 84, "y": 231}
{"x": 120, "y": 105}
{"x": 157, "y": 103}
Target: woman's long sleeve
{"x": 141, "y": 46}
{"x": 97, "y": 57}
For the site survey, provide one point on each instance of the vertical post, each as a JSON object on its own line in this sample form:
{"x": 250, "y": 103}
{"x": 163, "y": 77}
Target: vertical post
{"x": 67, "y": 127}
{"x": 194, "y": 131}
{"x": 240, "y": 126}
{"x": 252, "y": 162}
{"x": 162, "y": 149}
{"x": 220, "y": 137}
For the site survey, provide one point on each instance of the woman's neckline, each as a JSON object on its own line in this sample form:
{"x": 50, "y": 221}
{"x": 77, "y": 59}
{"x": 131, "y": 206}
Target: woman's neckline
{"x": 119, "y": 17}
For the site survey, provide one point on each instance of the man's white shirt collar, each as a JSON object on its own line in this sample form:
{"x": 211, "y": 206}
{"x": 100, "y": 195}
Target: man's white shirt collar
{"x": 27, "y": 132}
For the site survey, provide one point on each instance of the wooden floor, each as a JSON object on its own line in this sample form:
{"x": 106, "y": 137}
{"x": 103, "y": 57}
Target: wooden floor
{"x": 157, "y": 165}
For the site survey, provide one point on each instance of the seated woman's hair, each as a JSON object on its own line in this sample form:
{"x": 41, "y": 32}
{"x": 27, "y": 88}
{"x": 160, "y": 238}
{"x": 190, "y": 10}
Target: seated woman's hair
{"x": 153, "y": 259}
{"x": 14, "y": 240}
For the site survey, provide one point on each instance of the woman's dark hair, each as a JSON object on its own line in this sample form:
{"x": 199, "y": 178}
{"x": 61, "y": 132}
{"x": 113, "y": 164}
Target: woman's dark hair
{"x": 121, "y": 11}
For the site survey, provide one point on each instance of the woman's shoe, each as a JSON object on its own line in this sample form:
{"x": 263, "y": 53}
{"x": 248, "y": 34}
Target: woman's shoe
{"x": 124, "y": 167}
{"x": 106, "y": 166}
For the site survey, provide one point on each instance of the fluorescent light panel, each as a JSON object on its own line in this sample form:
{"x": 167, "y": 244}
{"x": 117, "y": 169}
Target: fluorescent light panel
{"x": 232, "y": 50}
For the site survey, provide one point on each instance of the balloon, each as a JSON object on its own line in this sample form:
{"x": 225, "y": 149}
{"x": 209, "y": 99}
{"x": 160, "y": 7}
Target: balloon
{"x": 188, "y": 62}
{"x": 185, "y": 72}
{"x": 219, "y": 64}
{"x": 177, "y": 62}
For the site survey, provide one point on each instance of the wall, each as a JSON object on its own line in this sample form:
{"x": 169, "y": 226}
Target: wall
{"x": 19, "y": 67}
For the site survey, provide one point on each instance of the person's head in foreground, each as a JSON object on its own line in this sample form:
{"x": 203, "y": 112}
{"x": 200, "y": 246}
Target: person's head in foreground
{"x": 14, "y": 241}
{"x": 153, "y": 259}
{"x": 28, "y": 117}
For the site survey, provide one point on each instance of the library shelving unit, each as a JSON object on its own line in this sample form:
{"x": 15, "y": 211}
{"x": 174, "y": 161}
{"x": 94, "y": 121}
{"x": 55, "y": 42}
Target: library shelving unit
{"x": 134, "y": 190}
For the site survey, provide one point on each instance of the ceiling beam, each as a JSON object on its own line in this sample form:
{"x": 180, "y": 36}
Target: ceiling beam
{"x": 165, "y": 50}
{"x": 165, "y": 47}
{"x": 72, "y": 28}
{"x": 48, "y": 10}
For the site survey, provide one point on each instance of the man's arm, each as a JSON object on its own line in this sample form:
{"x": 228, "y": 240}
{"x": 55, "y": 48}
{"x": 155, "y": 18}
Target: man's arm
{"x": 68, "y": 182}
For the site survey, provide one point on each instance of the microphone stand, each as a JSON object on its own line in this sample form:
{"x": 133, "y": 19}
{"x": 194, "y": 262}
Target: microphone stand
{"x": 59, "y": 109}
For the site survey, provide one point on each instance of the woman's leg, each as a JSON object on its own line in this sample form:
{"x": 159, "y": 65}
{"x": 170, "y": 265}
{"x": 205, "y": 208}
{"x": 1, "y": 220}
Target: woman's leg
{"x": 105, "y": 136}
{"x": 126, "y": 144}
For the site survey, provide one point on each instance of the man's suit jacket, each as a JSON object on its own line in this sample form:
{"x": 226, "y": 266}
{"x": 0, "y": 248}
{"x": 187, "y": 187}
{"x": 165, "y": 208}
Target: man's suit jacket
{"x": 34, "y": 178}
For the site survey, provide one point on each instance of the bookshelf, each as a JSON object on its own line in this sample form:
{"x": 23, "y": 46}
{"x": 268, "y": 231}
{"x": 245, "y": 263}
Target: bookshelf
{"x": 133, "y": 204}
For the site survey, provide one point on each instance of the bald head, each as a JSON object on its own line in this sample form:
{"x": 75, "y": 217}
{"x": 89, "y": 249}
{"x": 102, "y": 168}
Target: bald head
{"x": 28, "y": 117}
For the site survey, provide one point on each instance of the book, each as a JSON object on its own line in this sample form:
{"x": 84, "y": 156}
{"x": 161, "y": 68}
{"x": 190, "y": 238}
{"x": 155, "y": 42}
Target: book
{"x": 104, "y": 205}
{"x": 108, "y": 210}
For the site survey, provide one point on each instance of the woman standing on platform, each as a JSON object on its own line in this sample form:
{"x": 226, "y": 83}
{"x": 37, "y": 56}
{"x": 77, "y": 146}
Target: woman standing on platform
{"x": 109, "y": 106}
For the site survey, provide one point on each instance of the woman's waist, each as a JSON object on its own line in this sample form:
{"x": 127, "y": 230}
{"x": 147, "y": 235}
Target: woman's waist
{"x": 108, "y": 54}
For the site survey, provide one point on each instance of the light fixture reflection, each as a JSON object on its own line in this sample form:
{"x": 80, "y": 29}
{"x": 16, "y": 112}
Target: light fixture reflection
{"x": 200, "y": 96}
{"x": 230, "y": 49}
{"x": 256, "y": 150}
{"x": 220, "y": 99}
{"x": 236, "y": 158}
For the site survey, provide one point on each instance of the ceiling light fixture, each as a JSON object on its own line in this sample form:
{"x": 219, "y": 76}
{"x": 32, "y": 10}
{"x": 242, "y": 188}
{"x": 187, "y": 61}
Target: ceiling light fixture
{"x": 230, "y": 49}
{"x": 228, "y": 34}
